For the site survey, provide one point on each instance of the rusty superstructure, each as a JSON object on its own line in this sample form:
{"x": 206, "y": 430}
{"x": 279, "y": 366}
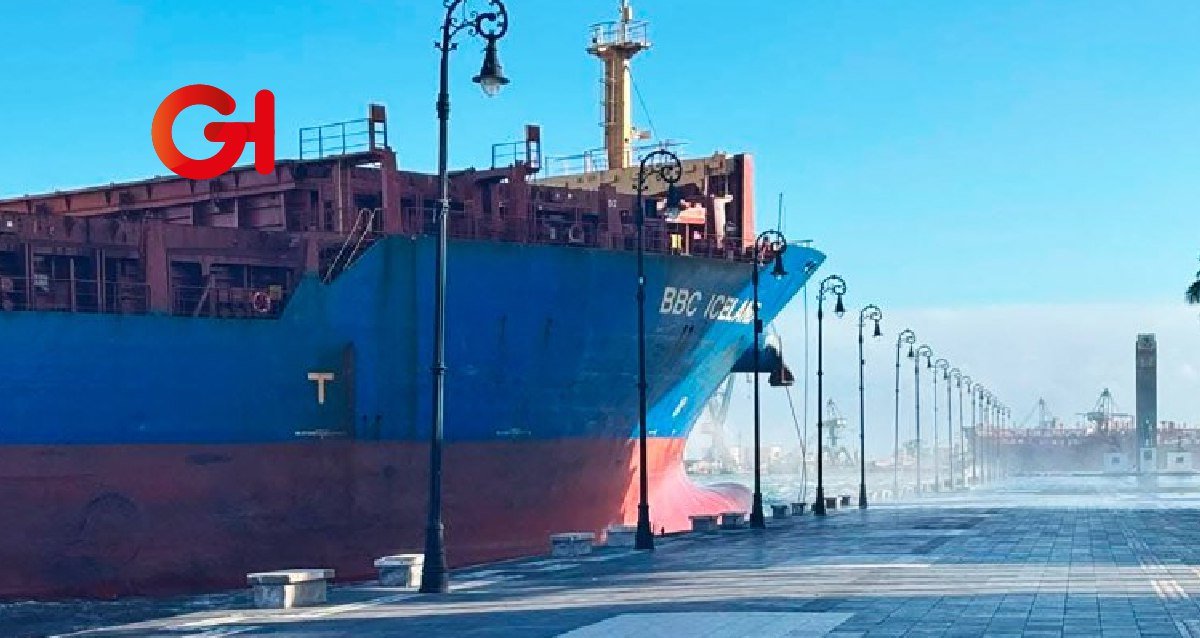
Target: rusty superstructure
{"x": 238, "y": 244}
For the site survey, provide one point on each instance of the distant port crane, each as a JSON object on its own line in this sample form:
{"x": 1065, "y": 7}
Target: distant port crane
{"x": 1045, "y": 419}
{"x": 1104, "y": 416}
{"x": 833, "y": 422}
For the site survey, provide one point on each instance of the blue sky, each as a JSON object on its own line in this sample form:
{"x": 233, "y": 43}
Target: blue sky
{"x": 947, "y": 155}
{"x": 941, "y": 152}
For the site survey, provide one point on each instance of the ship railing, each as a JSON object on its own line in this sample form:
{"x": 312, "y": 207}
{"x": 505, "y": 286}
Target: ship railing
{"x": 64, "y": 294}
{"x": 658, "y": 239}
{"x": 341, "y": 138}
{"x": 595, "y": 160}
{"x": 590, "y": 161}
{"x": 265, "y": 302}
{"x": 527, "y": 152}
{"x": 624, "y": 34}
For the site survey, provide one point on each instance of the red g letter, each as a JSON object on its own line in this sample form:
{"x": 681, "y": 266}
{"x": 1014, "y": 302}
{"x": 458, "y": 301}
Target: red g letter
{"x": 232, "y": 135}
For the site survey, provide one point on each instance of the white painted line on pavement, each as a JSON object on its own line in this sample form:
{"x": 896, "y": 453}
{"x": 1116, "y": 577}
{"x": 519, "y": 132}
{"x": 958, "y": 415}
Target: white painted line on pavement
{"x": 601, "y": 559}
{"x": 341, "y": 609}
{"x": 228, "y": 631}
{"x": 209, "y": 622}
{"x": 555, "y": 568}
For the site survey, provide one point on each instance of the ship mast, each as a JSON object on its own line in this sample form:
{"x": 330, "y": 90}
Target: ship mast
{"x": 615, "y": 43}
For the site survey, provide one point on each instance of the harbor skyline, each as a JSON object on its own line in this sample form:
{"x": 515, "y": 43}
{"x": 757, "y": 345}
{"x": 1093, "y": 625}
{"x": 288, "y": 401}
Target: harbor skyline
{"x": 1065, "y": 354}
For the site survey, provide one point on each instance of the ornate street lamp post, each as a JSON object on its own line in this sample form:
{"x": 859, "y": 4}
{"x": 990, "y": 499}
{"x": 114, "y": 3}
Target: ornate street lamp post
{"x": 927, "y": 352}
{"x": 941, "y": 365}
{"x": 491, "y": 26}
{"x": 962, "y": 429}
{"x": 905, "y": 337}
{"x": 769, "y": 246}
{"x": 997, "y": 430}
{"x": 869, "y": 313}
{"x": 997, "y": 450}
{"x": 1002, "y": 455}
{"x": 973, "y": 392}
{"x": 985, "y": 398}
{"x": 669, "y": 169}
{"x": 834, "y": 285}
{"x": 948, "y": 377}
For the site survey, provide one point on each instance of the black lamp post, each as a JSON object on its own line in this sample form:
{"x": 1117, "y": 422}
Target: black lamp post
{"x": 994, "y": 440}
{"x": 962, "y": 430}
{"x": 491, "y": 26}
{"x": 927, "y": 352}
{"x": 984, "y": 446}
{"x": 668, "y": 168}
{"x": 948, "y": 377}
{"x": 1001, "y": 456}
{"x": 994, "y": 437}
{"x": 834, "y": 285}
{"x": 997, "y": 429}
{"x": 905, "y": 337}
{"x": 938, "y": 366}
{"x": 971, "y": 392}
{"x": 868, "y": 313}
{"x": 769, "y": 246}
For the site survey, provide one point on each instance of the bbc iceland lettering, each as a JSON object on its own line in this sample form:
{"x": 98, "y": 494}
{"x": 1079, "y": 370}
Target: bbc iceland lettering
{"x": 685, "y": 302}
{"x": 233, "y": 136}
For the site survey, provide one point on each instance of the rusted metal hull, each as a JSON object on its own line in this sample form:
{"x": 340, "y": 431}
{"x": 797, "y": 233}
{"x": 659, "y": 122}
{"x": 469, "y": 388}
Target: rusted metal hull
{"x": 111, "y": 520}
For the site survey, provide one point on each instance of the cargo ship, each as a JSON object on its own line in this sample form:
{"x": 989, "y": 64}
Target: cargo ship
{"x": 1106, "y": 441}
{"x": 209, "y": 378}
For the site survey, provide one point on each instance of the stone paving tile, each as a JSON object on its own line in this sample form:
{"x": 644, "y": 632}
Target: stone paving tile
{"x": 998, "y": 563}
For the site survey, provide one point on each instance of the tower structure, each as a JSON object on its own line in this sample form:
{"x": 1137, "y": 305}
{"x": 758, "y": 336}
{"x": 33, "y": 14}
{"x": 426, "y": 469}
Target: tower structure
{"x": 1146, "y": 388}
{"x": 615, "y": 43}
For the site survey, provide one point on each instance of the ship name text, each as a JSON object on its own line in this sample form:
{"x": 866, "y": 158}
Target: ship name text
{"x": 682, "y": 301}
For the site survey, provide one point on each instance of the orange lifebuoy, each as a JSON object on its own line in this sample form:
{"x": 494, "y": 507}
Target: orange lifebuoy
{"x": 261, "y": 302}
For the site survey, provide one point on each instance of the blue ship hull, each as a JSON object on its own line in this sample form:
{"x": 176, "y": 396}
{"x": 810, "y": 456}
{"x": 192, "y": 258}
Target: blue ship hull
{"x": 159, "y": 453}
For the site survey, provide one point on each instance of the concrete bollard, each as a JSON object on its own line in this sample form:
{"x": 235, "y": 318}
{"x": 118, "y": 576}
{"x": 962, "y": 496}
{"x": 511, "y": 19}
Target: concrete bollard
{"x": 845, "y": 500}
{"x": 620, "y": 535}
{"x": 733, "y": 520}
{"x": 570, "y": 544}
{"x": 830, "y": 502}
{"x": 798, "y": 509}
{"x": 400, "y": 570}
{"x": 780, "y": 511}
{"x": 704, "y": 523}
{"x": 289, "y": 588}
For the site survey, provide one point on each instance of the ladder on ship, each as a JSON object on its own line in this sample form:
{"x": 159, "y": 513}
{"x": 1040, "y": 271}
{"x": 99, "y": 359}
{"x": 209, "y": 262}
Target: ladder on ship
{"x": 357, "y": 240}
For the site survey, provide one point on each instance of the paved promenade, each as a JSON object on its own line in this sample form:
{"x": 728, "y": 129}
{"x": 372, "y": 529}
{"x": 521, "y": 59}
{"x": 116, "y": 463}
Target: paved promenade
{"x": 1079, "y": 562}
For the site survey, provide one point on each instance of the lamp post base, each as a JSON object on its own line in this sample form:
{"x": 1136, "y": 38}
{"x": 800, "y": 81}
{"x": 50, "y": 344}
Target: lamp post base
{"x": 756, "y": 513}
{"x": 435, "y": 579}
{"x": 644, "y": 537}
{"x": 819, "y": 505}
{"x": 862, "y": 497}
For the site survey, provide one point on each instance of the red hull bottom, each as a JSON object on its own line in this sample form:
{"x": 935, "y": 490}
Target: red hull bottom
{"x": 154, "y": 519}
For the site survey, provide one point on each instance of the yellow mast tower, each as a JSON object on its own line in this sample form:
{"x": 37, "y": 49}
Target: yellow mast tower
{"x": 615, "y": 43}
